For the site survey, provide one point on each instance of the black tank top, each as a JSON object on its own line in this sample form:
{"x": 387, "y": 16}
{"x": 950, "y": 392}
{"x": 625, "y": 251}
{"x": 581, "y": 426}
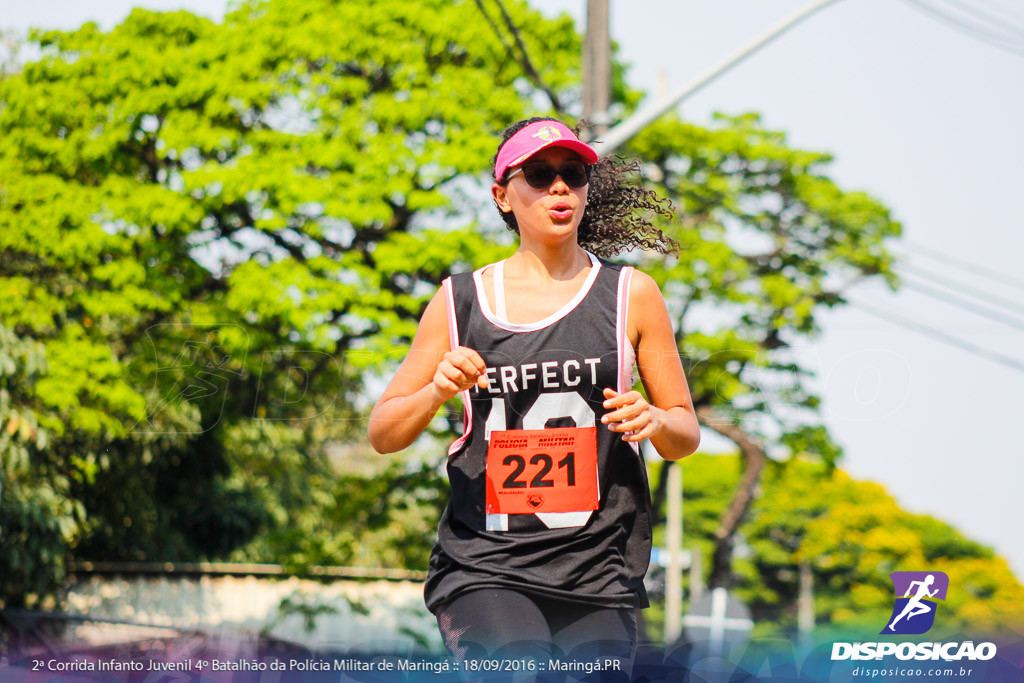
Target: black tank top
{"x": 544, "y": 375}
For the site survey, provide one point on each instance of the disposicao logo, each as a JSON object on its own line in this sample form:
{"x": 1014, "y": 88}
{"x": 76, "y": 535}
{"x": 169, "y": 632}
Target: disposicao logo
{"x": 913, "y": 614}
{"x": 916, "y": 595}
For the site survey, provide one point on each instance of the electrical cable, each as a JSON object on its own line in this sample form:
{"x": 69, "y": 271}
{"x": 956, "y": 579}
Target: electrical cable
{"x": 975, "y": 32}
{"x": 965, "y": 265}
{"x": 961, "y": 288}
{"x": 973, "y": 29}
{"x": 984, "y": 16}
{"x": 953, "y": 300}
{"x": 938, "y": 335}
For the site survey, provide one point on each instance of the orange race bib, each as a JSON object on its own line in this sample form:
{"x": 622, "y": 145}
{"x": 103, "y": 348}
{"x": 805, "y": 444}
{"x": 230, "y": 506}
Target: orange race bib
{"x": 542, "y": 470}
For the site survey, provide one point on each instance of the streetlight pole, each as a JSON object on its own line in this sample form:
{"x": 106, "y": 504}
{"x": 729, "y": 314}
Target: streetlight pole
{"x": 650, "y": 113}
{"x": 597, "y": 75}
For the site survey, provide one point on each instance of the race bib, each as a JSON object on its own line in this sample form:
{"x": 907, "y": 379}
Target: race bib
{"x": 542, "y": 470}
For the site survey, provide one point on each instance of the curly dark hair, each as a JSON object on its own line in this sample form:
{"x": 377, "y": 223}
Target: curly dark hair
{"x": 618, "y": 208}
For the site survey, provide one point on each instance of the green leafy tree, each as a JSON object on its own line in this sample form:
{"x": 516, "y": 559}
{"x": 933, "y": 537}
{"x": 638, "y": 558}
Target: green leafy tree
{"x": 214, "y": 232}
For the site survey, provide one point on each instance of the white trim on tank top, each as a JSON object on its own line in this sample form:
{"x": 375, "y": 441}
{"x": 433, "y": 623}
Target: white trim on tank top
{"x": 499, "y": 290}
{"x": 500, "y": 319}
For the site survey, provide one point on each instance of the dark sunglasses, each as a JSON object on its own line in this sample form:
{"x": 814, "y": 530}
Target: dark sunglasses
{"x": 539, "y": 176}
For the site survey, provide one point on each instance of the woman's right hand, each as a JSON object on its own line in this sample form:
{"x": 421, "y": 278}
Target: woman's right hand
{"x": 459, "y": 370}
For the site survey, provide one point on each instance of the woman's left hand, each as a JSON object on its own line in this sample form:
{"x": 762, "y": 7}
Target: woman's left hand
{"x": 631, "y": 414}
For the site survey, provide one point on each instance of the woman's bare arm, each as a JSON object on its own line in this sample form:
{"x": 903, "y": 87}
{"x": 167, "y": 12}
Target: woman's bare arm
{"x": 430, "y": 375}
{"x": 666, "y": 417}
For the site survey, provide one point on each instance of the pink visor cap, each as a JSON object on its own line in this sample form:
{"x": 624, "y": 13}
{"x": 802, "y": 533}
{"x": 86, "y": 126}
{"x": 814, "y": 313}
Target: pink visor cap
{"x": 535, "y": 137}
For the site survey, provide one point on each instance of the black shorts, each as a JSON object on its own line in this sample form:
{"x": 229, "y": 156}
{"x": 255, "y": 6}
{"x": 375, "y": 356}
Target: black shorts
{"x": 497, "y": 622}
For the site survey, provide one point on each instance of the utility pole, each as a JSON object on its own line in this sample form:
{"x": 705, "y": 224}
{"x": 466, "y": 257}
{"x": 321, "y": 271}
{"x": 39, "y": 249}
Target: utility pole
{"x": 696, "y": 575}
{"x": 805, "y": 605}
{"x": 597, "y": 68}
{"x": 674, "y": 570}
{"x": 674, "y": 520}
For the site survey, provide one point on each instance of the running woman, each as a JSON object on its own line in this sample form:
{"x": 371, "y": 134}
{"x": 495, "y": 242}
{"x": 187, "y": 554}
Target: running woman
{"x": 546, "y": 539}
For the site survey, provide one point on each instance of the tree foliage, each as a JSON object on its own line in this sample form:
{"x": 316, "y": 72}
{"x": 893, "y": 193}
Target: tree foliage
{"x": 40, "y": 519}
{"x": 213, "y": 232}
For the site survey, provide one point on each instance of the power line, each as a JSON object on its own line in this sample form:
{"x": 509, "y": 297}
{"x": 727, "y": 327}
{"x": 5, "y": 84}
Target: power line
{"x": 982, "y": 15}
{"x": 975, "y": 32}
{"x": 954, "y": 300}
{"x": 965, "y": 265}
{"x": 938, "y": 335}
{"x": 961, "y": 288}
{"x": 985, "y": 28}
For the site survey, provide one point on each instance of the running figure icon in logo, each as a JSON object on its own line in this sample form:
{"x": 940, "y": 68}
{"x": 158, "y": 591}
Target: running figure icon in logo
{"x": 915, "y": 597}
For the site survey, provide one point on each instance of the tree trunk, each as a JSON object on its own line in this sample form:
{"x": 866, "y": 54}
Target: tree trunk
{"x": 660, "y": 492}
{"x": 754, "y": 459}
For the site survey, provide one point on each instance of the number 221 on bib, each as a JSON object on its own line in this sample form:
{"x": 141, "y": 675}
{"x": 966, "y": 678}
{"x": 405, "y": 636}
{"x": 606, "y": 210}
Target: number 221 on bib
{"x": 542, "y": 470}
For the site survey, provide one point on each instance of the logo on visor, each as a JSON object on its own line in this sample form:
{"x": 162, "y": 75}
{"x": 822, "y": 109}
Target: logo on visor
{"x": 548, "y": 134}
{"x": 916, "y": 595}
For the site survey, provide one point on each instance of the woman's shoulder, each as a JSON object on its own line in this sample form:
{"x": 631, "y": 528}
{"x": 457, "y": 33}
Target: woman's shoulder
{"x": 643, "y": 285}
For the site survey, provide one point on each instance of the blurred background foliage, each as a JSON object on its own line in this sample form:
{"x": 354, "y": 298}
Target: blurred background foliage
{"x": 217, "y": 238}
{"x": 853, "y": 534}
